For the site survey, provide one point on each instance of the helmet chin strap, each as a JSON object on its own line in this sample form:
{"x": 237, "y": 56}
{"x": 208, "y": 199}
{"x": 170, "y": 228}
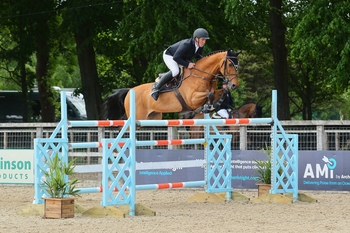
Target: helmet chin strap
{"x": 197, "y": 42}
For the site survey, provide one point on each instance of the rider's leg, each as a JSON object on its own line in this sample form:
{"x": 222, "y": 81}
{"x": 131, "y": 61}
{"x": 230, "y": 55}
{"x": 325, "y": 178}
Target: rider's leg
{"x": 174, "y": 71}
{"x": 223, "y": 113}
{"x": 157, "y": 85}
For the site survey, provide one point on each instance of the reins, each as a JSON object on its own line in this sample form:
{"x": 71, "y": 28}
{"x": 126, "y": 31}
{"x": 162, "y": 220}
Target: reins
{"x": 216, "y": 76}
{"x": 202, "y": 77}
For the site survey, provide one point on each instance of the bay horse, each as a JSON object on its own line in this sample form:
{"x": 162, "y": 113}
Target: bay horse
{"x": 197, "y": 87}
{"x": 248, "y": 110}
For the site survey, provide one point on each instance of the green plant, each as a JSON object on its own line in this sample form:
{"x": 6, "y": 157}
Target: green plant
{"x": 55, "y": 183}
{"x": 264, "y": 167}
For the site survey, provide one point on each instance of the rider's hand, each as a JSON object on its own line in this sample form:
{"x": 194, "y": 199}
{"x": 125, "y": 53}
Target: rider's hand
{"x": 190, "y": 65}
{"x": 216, "y": 105}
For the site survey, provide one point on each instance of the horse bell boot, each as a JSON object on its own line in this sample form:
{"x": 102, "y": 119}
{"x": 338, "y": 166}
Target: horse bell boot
{"x": 158, "y": 85}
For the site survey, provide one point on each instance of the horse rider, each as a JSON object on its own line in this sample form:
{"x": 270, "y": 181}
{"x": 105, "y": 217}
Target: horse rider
{"x": 227, "y": 104}
{"x": 181, "y": 53}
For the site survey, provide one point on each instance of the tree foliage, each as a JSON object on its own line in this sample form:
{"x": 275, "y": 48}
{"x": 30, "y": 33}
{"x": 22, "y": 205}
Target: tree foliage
{"x": 323, "y": 37}
{"x": 261, "y": 26}
{"x": 17, "y": 47}
{"x": 98, "y": 46}
{"x": 319, "y": 51}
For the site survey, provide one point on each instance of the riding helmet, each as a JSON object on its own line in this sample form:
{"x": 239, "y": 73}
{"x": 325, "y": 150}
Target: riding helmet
{"x": 201, "y": 33}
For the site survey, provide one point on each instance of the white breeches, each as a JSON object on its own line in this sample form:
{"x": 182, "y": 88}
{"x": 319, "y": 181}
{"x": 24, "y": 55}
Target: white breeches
{"x": 171, "y": 64}
{"x": 223, "y": 113}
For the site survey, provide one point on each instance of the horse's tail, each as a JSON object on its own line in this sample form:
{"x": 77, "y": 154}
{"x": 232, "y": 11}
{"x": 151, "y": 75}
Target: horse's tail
{"x": 113, "y": 107}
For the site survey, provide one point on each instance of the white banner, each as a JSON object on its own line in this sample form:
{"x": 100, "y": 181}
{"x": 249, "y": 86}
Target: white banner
{"x": 16, "y": 166}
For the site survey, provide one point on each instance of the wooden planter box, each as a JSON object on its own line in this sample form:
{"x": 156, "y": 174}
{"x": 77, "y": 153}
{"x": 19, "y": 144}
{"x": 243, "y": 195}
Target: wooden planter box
{"x": 263, "y": 189}
{"x": 59, "y": 208}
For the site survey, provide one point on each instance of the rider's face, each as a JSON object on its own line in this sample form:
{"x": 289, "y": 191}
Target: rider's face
{"x": 201, "y": 42}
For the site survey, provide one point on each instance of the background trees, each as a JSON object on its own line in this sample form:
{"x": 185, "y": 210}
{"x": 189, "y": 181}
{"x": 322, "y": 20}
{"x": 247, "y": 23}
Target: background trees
{"x": 319, "y": 52}
{"x": 300, "y": 48}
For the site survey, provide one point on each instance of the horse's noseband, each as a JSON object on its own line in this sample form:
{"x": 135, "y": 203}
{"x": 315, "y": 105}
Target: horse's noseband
{"x": 226, "y": 75}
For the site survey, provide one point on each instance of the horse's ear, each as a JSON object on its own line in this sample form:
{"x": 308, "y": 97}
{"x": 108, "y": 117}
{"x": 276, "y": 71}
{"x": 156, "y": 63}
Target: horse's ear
{"x": 260, "y": 106}
{"x": 233, "y": 53}
{"x": 237, "y": 53}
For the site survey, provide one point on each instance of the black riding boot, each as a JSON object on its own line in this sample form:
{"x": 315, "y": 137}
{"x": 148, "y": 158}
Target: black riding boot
{"x": 157, "y": 85}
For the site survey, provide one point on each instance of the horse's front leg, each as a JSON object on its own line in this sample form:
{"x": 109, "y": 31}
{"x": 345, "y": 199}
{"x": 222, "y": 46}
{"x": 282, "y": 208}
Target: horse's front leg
{"x": 217, "y": 94}
{"x": 209, "y": 104}
{"x": 200, "y": 98}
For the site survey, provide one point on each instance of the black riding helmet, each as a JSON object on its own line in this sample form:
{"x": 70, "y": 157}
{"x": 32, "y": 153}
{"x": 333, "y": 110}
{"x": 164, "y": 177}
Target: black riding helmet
{"x": 201, "y": 33}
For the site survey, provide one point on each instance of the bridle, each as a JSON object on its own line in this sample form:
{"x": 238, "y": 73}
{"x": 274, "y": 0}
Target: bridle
{"x": 221, "y": 75}
{"x": 224, "y": 64}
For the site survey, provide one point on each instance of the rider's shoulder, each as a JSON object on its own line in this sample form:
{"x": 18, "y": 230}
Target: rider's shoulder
{"x": 188, "y": 41}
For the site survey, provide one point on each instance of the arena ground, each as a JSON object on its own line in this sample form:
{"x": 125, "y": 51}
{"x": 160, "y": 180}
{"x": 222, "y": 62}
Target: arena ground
{"x": 174, "y": 214}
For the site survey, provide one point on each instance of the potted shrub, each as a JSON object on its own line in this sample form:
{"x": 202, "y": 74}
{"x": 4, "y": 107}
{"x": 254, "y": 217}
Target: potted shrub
{"x": 264, "y": 168}
{"x": 60, "y": 204}
{"x": 264, "y": 172}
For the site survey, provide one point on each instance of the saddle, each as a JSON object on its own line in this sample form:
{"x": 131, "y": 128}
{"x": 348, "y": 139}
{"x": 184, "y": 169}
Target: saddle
{"x": 174, "y": 83}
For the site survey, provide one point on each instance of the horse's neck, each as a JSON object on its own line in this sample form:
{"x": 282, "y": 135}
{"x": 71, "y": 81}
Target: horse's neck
{"x": 210, "y": 63}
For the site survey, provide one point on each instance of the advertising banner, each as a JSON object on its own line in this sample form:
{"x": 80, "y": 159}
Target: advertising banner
{"x": 16, "y": 166}
{"x": 317, "y": 170}
{"x": 243, "y": 167}
{"x": 324, "y": 170}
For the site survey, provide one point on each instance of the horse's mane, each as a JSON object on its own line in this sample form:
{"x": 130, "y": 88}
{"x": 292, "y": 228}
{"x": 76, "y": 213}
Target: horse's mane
{"x": 231, "y": 55}
{"x": 214, "y": 52}
{"x": 209, "y": 54}
{"x": 247, "y": 104}
{"x": 230, "y": 51}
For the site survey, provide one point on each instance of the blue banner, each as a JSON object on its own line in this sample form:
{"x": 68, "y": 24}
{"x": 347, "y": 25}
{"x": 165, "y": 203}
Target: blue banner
{"x": 318, "y": 170}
